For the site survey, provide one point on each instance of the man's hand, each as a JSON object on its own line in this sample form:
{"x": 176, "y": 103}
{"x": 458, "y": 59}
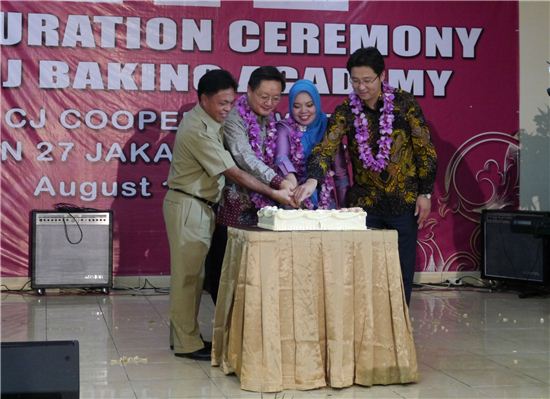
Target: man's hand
{"x": 304, "y": 191}
{"x": 289, "y": 182}
{"x": 291, "y": 177}
{"x": 283, "y": 196}
{"x": 422, "y": 210}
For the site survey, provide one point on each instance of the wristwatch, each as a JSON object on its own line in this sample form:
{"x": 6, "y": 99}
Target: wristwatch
{"x": 427, "y": 196}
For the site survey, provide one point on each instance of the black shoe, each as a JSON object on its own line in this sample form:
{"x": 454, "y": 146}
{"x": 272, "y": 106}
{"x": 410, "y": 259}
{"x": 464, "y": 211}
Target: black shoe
{"x": 207, "y": 344}
{"x": 201, "y": 354}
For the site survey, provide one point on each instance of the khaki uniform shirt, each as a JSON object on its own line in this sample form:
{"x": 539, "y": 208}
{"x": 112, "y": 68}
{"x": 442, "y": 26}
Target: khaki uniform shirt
{"x": 199, "y": 158}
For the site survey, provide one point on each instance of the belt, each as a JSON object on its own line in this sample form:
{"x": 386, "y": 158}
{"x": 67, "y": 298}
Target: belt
{"x": 205, "y": 201}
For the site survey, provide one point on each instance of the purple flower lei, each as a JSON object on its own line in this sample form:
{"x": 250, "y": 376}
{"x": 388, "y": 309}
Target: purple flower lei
{"x": 296, "y": 149}
{"x": 298, "y": 160}
{"x": 266, "y": 155}
{"x": 362, "y": 135}
{"x": 326, "y": 190}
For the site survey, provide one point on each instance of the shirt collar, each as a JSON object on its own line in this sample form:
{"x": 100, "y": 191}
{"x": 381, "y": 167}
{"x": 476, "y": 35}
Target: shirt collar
{"x": 211, "y": 124}
{"x": 378, "y": 106}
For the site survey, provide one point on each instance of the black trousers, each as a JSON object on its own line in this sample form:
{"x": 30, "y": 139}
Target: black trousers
{"x": 214, "y": 261}
{"x": 407, "y": 232}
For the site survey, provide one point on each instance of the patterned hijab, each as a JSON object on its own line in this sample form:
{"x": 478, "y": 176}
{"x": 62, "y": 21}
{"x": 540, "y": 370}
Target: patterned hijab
{"x": 316, "y": 130}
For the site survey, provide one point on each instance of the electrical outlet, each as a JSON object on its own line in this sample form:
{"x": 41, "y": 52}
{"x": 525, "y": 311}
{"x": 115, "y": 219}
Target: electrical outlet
{"x": 453, "y": 281}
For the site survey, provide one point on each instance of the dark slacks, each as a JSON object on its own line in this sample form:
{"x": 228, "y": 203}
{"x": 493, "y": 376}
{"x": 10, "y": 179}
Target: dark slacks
{"x": 214, "y": 261}
{"x": 407, "y": 230}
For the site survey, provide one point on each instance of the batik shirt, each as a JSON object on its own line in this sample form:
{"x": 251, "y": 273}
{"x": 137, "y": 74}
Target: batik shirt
{"x": 411, "y": 168}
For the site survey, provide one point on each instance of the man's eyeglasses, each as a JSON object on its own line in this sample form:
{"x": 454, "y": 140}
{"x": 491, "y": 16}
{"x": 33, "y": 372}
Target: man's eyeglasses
{"x": 265, "y": 98}
{"x": 366, "y": 81}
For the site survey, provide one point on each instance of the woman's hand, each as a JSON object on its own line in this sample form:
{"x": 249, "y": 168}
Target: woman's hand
{"x": 305, "y": 190}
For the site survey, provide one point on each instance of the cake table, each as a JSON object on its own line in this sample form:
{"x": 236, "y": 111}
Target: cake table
{"x": 308, "y": 309}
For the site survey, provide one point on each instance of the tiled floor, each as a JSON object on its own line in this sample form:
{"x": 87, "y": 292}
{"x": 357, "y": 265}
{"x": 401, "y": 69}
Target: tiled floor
{"x": 470, "y": 344}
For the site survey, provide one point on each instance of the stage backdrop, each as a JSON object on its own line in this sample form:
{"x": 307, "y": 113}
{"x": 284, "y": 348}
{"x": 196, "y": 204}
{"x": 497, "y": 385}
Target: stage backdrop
{"x": 92, "y": 93}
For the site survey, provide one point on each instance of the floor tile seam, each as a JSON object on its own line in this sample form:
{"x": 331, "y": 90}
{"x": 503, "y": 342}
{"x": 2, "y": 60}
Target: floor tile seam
{"x": 213, "y": 380}
{"x": 179, "y": 378}
{"x": 155, "y": 308}
{"x": 484, "y": 370}
{"x": 397, "y": 393}
{"x": 534, "y": 378}
{"x": 171, "y": 364}
{"x": 112, "y": 339}
{"x": 456, "y": 379}
{"x": 451, "y": 370}
{"x": 133, "y": 382}
{"x": 515, "y": 367}
{"x": 474, "y": 337}
{"x": 170, "y": 380}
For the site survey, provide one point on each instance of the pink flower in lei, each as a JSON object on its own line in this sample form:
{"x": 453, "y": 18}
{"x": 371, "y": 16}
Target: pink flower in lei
{"x": 267, "y": 156}
{"x": 362, "y": 135}
{"x": 296, "y": 150}
{"x": 326, "y": 190}
{"x": 298, "y": 160}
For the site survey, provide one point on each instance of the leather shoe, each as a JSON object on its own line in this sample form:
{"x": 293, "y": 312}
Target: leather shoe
{"x": 207, "y": 345}
{"x": 201, "y": 354}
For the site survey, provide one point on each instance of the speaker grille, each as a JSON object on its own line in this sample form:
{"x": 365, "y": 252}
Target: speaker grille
{"x": 40, "y": 369}
{"x": 512, "y": 255}
{"x": 72, "y": 249}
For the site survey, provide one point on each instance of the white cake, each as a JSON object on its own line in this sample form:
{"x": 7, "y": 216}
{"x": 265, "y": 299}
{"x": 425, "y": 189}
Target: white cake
{"x": 273, "y": 218}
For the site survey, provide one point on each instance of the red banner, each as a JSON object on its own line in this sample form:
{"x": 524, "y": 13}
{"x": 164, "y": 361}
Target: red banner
{"x": 92, "y": 94}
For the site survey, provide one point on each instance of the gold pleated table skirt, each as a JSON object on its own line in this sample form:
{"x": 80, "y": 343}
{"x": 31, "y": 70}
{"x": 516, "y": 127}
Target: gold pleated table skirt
{"x": 303, "y": 310}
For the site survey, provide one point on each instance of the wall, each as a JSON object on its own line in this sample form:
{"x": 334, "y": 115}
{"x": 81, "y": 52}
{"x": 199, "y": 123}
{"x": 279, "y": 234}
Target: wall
{"x": 453, "y": 56}
{"x": 534, "y": 105}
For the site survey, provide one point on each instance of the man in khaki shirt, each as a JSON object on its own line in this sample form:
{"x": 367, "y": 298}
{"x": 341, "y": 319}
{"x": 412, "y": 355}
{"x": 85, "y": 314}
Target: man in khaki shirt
{"x": 197, "y": 175}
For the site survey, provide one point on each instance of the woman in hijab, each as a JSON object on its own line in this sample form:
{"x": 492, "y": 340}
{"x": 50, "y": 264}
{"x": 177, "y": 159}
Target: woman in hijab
{"x": 302, "y": 130}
